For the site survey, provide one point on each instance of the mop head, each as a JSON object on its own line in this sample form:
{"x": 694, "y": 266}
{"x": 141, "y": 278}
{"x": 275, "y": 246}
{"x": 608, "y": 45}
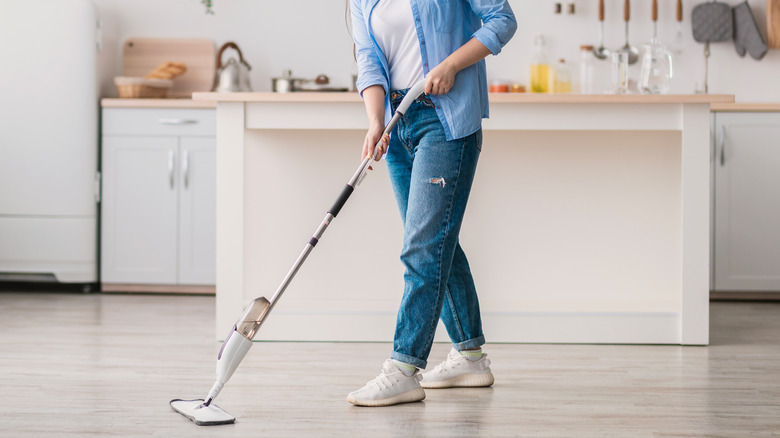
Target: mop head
{"x": 210, "y": 415}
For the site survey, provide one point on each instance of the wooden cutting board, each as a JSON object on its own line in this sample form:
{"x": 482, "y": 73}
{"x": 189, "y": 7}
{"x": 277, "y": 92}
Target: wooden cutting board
{"x": 773, "y": 23}
{"x": 142, "y": 55}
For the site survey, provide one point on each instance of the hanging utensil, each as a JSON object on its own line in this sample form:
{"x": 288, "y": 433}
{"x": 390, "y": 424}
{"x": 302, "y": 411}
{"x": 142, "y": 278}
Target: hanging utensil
{"x": 712, "y": 22}
{"x": 633, "y": 52}
{"x": 677, "y": 45}
{"x": 655, "y": 20}
{"x": 601, "y": 52}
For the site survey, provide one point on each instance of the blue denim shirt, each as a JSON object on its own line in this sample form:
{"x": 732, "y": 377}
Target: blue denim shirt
{"x": 443, "y": 26}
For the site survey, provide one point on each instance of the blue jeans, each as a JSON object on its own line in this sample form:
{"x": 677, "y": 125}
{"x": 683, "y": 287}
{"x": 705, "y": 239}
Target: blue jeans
{"x": 431, "y": 179}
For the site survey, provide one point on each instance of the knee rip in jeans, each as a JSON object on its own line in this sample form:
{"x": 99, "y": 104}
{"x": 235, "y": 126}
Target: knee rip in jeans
{"x": 438, "y": 181}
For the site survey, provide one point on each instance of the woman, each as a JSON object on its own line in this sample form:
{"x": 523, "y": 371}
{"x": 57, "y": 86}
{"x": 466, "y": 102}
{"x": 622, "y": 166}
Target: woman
{"x": 431, "y": 158}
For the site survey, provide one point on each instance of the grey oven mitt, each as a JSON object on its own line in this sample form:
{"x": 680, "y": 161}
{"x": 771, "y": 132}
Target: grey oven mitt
{"x": 747, "y": 36}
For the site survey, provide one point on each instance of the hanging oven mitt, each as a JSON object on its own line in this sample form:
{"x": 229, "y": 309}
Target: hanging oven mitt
{"x": 712, "y": 22}
{"x": 747, "y": 36}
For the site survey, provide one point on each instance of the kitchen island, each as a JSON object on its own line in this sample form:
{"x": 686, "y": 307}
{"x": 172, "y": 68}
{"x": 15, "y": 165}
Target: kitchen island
{"x": 589, "y": 218}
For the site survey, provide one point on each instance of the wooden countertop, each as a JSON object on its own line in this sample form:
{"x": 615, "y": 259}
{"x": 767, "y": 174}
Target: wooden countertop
{"x": 156, "y": 103}
{"x": 718, "y": 102}
{"x": 745, "y": 107}
{"x": 312, "y": 97}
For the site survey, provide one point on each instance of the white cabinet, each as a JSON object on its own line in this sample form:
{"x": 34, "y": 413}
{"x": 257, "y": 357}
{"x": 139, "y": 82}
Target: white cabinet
{"x": 747, "y": 202}
{"x": 139, "y": 220}
{"x": 158, "y": 210}
{"x": 197, "y": 211}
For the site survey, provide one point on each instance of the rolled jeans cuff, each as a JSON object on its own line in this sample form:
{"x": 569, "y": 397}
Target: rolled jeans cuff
{"x": 419, "y": 363}
{"x": 470, "y": 344}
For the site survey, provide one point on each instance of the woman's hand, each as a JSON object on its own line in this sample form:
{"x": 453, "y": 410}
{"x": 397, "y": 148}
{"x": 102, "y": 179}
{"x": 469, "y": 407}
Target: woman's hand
{"x": 375, "y": 131}
{"x": 441, "y": 78}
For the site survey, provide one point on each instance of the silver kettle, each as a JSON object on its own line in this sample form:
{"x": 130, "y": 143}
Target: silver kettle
{"x": 234, "y": 74}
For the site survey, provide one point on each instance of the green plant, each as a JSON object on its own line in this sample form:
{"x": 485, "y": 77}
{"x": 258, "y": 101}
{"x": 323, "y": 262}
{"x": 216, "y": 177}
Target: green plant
{"x": 208, "y": 5}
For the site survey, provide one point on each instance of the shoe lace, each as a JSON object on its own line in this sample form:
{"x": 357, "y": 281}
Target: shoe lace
{"x": 382, "y": 381}
{"x": 448, "y": 364}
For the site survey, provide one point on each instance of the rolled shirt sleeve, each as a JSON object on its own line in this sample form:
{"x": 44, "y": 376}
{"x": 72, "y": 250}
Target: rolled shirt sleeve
{"x": 370, "y": 68}
{"x": 498, "y": 23}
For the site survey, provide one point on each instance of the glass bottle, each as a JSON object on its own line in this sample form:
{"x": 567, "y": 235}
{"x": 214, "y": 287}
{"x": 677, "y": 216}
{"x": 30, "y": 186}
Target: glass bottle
{"x": 540, "y": 68}
{"x": 562, "y": 78}
{"x": 587, "y": 66}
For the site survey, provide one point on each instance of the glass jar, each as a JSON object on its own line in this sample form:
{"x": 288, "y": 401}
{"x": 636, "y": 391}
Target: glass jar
{"x": 587, "y": 67}
{"x": 562, "y": 78}
{"x": 620, "y": 72}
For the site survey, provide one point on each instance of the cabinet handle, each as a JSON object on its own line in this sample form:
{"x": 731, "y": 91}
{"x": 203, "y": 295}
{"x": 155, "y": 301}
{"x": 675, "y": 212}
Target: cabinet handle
{"x": 722, "y": 146}
{"x": 97, "y": 186}
{"x": 171, "y": 163}
{"x": 178, "y": 121}
{"x": 185, "y": 168}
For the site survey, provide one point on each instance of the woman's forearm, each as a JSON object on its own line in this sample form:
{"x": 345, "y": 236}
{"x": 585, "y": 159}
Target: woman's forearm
{"x": 468, "y": 54}
{"x": 374, "y": 99}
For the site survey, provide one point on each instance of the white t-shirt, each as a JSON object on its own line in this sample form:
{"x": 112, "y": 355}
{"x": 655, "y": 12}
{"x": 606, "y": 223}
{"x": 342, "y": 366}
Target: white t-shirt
{"x": 392, "y": 24}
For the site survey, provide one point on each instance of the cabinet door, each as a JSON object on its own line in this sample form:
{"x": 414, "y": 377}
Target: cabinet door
{"x": 747, "y": 202}
{"x": 198, "y": 211}
{"x": 139, "y": 216}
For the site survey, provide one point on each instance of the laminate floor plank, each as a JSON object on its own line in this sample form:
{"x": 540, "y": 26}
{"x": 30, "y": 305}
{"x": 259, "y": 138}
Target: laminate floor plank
{"x": 75, "y": 365}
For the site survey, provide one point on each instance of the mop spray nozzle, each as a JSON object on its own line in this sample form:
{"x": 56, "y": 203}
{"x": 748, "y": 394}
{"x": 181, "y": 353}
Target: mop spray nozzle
{"x": 214, "y": 392}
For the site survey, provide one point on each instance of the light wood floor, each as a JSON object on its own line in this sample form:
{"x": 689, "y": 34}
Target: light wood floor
{"x": 74, "y": 365}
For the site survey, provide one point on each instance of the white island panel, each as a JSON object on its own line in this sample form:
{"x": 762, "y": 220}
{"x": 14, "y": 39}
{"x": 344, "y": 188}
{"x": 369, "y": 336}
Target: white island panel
{"x": 578, "y": 229}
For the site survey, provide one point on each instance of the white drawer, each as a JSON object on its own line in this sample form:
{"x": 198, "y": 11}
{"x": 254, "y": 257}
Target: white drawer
{"x": 153, "y": 121}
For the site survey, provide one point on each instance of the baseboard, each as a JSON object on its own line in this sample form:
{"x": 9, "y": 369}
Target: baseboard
{"x": 157, "y": 288}
{"x": 744, "y": 296}
{"x": 510, "y": 327}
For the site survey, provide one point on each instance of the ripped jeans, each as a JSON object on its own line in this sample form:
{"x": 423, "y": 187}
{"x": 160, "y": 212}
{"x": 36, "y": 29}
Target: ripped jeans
{"x": 432, "y": 178}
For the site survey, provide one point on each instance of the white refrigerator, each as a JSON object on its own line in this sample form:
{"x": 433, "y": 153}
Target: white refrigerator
{"x": 49, "y": 181}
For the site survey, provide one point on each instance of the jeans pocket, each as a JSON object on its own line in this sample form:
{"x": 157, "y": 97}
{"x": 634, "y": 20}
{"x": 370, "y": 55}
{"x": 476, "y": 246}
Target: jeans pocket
{"x": 443, "y": 13}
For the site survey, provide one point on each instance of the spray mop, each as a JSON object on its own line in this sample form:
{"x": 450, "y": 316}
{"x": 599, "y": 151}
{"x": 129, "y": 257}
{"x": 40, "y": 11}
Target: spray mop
{"x": 204, "y": 412}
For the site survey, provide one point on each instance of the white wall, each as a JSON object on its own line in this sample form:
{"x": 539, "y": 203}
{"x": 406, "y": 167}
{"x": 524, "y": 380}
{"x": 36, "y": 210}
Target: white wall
{"x": 310, "y": 37}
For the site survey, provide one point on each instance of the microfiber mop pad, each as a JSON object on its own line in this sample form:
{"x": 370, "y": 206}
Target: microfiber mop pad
{"x": 211, "y": 415}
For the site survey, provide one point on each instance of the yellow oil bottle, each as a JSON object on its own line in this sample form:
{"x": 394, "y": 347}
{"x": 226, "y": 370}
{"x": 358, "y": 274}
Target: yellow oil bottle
{"x": 540, "y": 68}
{"x": 540, "y": 78}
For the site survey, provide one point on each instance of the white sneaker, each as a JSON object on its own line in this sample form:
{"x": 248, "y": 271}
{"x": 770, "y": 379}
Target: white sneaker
{"x": 459, "y": 372}
{"x": 390, "y": 387}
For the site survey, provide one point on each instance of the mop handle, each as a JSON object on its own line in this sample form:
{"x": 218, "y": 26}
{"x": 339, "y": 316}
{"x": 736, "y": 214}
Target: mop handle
{"x": 413, "y": 93}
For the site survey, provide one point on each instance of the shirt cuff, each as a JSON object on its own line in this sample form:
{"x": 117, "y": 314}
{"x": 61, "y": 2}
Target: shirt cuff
{"x": 488, "y": 39}
{"x": 361, "y": 85}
